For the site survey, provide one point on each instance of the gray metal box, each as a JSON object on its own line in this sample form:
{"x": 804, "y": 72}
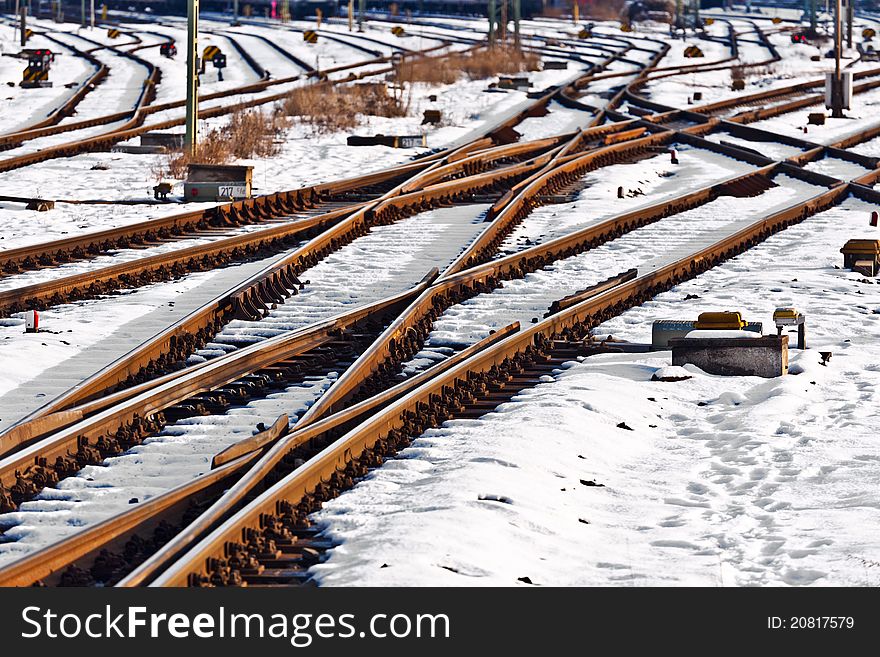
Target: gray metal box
{"x": 217, "y": 182}
{"x": 664, "y": 330}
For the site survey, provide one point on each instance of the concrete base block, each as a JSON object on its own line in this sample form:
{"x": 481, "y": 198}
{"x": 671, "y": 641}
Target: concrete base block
{"x": 766, "y": 357}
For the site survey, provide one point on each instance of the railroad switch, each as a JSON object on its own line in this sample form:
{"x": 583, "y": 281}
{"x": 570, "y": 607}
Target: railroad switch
{"x": 513, "y": 82}
{"x": 720, "y": 321}
{"x": 862, "y": 256}
{"x": 37, "y": 72}
{"x": 161, "y": 191}
{"x": 816, "y": 118}
{"x": 432, "y": 116}
{"x": 783, "y": 317}
{"x": 217, "y": 182}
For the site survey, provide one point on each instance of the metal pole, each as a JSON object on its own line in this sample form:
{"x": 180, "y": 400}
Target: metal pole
{"x": 92, "y": 12}
{"x": 192, "y": 78}
{"x": 362, "y": 9}
{"x": 502, "y": 29}
{"x": 836, "y": 90}
{"x": 516, "y": 10}
{"x": 235, "y": 11}
{"x": 492, "y": 20}
{"x": 575, "y": 12}
{"x": 849, "y": 22}
{"x": 22, "y": 12}
{"x": 82, "y": 6}
{"x": 350, "y": 15}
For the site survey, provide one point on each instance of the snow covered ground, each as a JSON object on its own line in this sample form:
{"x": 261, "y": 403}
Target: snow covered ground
{"x": 723, "y": 481}
{"x": 388, "y": 260}
{"x": 465, "y": 106}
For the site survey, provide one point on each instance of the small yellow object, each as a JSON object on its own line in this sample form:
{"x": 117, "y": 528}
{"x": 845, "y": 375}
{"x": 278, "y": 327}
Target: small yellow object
{"x": 776, "y": 20}
{"x": 720, "y": 320}
{"x": 785, "y": 313}
{"x": 626, "y": 27}
{"x": 585, "y": 34}
{"x": 709, "y": 21}
{"x": 868, "y": 33}
{"x": 397, "y": 30}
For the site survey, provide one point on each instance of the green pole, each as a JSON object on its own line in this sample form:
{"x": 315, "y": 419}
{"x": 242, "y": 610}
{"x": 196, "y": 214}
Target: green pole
{"x": 82, "y": 6}
{"x": 492, "y": 22}
{"x": 362, "y": 9}
{"x": 192, "y": 77}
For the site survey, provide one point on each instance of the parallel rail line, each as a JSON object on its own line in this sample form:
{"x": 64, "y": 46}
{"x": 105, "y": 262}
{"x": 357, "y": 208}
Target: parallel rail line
{"x": 257, "y": 532}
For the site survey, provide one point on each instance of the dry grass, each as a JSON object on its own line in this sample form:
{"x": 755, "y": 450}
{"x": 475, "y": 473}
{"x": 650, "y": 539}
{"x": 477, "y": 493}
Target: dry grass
{"x": 249, "y": 133}
{"x": 331, "y": 108}
{"x": 475, "y": 65}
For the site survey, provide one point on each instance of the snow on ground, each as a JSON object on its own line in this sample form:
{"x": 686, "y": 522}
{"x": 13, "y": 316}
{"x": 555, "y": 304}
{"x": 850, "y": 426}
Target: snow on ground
{"x": 861, "y": 116}
{"x": 560, "y": 120}
{"x": 646, "y": 249}
{"x": 837, "y": 168}
{"x": 388, "y": 260}
{"x": 69, "y": 329}
{"x": 772, "y": 149}
{"x": 180, "y": 452}
{"x": 870, "y": 148}
{"x": 722, "y": 481}
{"x": 305, "y": 158}
{"x": 645, "y": 183}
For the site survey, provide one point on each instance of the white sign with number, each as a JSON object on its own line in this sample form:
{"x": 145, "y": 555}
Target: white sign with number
{"x": 232, "y": 190}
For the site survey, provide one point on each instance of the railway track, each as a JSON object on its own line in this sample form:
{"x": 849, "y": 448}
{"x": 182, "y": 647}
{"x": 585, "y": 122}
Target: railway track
{"x": 131, "y": 123}
{"x": 257, "y": 532}
{"x": 69, "y": 106}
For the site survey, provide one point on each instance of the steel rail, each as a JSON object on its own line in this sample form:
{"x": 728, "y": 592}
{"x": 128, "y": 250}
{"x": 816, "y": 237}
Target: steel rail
{"x": 312, "y": 479}
{"x": 131, "y": 413}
